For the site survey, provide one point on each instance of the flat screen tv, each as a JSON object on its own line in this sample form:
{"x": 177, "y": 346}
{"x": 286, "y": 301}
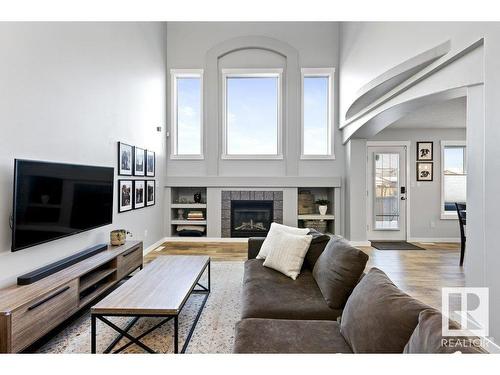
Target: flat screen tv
{"x": 53, "y": 200}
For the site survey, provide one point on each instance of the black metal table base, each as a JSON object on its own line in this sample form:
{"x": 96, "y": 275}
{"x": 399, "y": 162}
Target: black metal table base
{"x": 124, "y": 333}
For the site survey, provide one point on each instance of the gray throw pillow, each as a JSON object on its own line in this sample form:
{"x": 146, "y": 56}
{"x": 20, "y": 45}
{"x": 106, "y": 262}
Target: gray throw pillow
{"x": 338, "y": 270}
{"x": 318, "y": 243}
{"x": 427, "y": 337}
{"x": 378, "y": 317}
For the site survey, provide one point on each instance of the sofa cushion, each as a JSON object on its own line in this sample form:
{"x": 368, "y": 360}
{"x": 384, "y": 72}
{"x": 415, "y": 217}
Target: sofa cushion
{"x": 274, "y": 235}
{"x": 270, "y": 294}
{"x": 288, "y": 254}
{"x": 289, "y": 336}
{"x": 427, "y": 337}
{"x": 378, "y": 317}
{"x": 318, "y": 243}
{"x": 338, "y": 270}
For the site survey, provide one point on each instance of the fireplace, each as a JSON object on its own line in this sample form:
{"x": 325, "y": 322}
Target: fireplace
{"x": 251, "y": 218}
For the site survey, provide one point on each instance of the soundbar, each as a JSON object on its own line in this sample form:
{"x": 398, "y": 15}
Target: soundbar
{"x": 52, "y": 268}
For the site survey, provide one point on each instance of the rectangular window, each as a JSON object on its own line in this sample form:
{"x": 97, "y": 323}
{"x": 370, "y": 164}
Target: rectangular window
{"x": 251, "y": 113}
{"x": 187, "y": 113}
{"x": 317, "y": 104}
{"x": 453, "y": 177}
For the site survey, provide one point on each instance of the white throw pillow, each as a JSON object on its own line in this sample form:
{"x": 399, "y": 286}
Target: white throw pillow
{"x": 288, "y": 254}
{"x": 273, "y": 237}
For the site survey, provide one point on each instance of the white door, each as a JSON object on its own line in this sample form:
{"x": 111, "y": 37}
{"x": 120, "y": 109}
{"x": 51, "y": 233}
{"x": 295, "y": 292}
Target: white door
{"x": 386, "y": 184}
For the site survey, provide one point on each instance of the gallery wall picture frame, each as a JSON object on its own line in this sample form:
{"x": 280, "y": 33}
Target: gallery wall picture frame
{"x": 139, "y": 194}
{"x": 150, "y": 192}
{"x": 425, "y": 151}
{"x": 125, "y": 159}
{"x": 139, "y": 161}
{"x": 150, "y": 163}
{"x": 425, "y": 171}
{"x": 125, "y": 193}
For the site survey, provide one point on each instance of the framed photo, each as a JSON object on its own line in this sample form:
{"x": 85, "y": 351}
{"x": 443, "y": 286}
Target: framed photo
{"x": 139, "y": 161}
{"x": 424, "y": 151}
{"x": 125, "y": 190}
{"x": 150, "y": 163}
{"x": 150, "y": 192}
{"x": 425, "y": 171}
{"x": 125, "y": 159}
{"x": 139, "y": 193}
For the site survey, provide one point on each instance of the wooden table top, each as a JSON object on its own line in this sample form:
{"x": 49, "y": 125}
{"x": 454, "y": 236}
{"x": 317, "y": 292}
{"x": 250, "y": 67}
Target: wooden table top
{"x": 161, "y": 288}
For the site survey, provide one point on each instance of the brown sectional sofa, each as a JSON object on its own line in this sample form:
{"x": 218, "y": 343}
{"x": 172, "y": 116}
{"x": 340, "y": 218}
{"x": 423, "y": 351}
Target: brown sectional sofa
{"x": 280, "y": 315}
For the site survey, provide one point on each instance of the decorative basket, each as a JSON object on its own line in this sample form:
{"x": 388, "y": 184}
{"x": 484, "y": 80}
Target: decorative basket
{"x": 319, "y": 225}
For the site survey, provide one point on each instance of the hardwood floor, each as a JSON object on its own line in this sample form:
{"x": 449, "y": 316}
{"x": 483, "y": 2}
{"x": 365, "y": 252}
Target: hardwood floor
{"x": 420, "y": 273}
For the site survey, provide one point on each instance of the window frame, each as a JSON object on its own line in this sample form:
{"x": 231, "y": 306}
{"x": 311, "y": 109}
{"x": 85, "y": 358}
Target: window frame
{"x": 174, "y": 75}
{"x": 318, "y": 72}
{"x": 450, "y": 215}
{"x": 249, "y": 73}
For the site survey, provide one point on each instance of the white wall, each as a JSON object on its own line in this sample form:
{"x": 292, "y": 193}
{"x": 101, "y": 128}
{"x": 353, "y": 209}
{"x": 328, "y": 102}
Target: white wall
{"x": 425, "y": 197}
{"x": 68, "y": 93}
{"x": 315, "y": 43}
{"x": 369, "y": 49}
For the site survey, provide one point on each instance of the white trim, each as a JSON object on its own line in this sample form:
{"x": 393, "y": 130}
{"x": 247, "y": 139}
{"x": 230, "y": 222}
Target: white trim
{"x": 444, "y": 144}
{"x": 360, "y": 243}
{"x": 184, "y": 73}
{"x": 205, "y": 239}
{"x": 406, "y": 144}
{"x": 436, "y": 240}
{"x": 154, "y": 246}
{"x": 272, "y": 72}
{"x": 330, "y": 74}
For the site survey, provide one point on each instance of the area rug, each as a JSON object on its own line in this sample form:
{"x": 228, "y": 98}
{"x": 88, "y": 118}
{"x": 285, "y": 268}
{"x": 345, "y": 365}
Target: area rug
{"x": 214, "y": 332}
{"x": 394, "y": 245}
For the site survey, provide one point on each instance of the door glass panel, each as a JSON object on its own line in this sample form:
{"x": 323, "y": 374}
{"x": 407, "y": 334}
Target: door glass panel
{"x": 386, "y": 191}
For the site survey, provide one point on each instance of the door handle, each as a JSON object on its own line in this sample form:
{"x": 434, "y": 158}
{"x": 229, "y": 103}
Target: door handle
{"x": 403, "y": 198}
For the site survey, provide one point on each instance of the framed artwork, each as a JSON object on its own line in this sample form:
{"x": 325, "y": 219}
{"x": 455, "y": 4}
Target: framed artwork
{"x": 139, "y": 193}
{"x": 125, "y": 188}
{"x": 150, "y": 163}
{"x": 150, "y": 192}
{"x": 424, "y": 151}
{"x": 125, "y": 159}
{"x": 425, "y": 171}
{"x": 139, "y": 161}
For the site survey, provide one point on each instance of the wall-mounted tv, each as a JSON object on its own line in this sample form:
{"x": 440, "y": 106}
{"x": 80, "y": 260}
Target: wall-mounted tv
{"x": 53, "y": 200}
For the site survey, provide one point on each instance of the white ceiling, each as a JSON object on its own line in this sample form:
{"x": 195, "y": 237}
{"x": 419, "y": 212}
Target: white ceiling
{"x": 443, "y": 115}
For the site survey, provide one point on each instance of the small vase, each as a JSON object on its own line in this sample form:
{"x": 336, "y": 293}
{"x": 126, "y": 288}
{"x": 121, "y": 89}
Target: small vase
{"x": 322, "y": 210}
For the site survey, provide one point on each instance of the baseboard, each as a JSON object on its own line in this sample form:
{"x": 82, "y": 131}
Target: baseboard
{"x": 205, "y": 239}
{"x": 436, "y": 240}
{"x": 360, "y": 243}
{"x": 154, "y": 246}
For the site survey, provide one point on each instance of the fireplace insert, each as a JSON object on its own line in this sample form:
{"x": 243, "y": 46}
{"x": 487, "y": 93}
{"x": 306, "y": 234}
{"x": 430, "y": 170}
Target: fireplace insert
{"x": 250, "y": 218}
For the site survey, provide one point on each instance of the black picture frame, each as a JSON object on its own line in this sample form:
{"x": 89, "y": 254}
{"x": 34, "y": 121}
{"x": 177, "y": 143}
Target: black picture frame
{"x": 123, "y": 150}
{"x": 425, "y": 151}
{"x": 430, "y": 170}
{"x": 150, "y": 163}
{"x": 128, "y": 207}
{"x": 137, "y": 194}
{"x": 139, "y": 162}
{"x": 149, "y": 202}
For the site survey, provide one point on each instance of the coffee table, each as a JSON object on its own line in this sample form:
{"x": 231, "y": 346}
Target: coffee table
{"x": 160, "y": 290}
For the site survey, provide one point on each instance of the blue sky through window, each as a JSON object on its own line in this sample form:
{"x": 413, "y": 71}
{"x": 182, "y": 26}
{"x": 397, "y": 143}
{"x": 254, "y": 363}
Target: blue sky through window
{"x": 252, "y": 115}
{"x": 316, "y": 115}
{"x": 188, "y": 116}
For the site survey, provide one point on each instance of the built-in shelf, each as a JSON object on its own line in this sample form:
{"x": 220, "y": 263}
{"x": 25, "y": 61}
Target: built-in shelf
{"x": 188, "y": 205}
{"x": 189, "y": 222}
{"x": 316, "y": 217}
{"x": 93, "y": 278}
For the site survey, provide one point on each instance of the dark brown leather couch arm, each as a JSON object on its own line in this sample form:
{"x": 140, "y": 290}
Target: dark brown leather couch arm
{"x": 254, "y": 244}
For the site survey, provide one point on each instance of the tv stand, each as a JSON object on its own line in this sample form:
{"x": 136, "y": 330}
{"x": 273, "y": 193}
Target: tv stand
{"x": 52, "y": 268}
{"x": 28, "y": 312}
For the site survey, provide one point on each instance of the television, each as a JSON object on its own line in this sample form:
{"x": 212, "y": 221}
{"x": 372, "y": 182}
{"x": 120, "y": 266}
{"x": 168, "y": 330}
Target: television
{"x": 53, "y": 200}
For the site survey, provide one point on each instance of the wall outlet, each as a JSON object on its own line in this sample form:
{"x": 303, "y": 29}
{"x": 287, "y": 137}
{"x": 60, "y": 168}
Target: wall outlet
{"x": 145, "y": 233}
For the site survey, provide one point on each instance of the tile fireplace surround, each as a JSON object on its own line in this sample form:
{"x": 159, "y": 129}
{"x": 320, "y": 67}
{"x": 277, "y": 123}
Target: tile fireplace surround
{"x": 240, "y": 195}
